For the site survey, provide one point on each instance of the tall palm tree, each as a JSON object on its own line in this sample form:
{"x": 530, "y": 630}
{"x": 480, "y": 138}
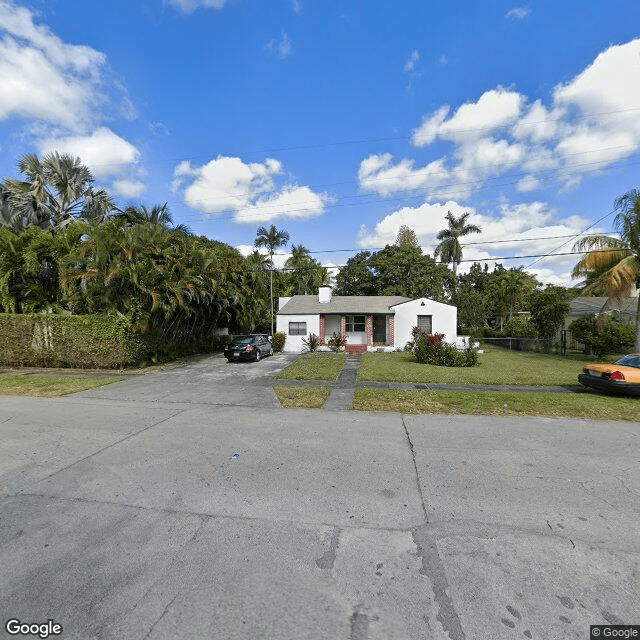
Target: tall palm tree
{"x": 307, "y": 273}
{"x": 449, "y": 248}
{"x": 271, "y": 238}
{"x": 613, "y": 264}
{"x": 57, "y": 190}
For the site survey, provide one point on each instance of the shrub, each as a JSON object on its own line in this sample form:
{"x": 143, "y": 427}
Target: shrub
{"x": 519, "y": 327}
{"x": 312, "y": 342}
{"x": 50, "y": 340}
{"x": 337, "y": 341}
{"x": 604, "y": 334}
{"x": 431, "y": 349}
{"x": 277, "y": 340}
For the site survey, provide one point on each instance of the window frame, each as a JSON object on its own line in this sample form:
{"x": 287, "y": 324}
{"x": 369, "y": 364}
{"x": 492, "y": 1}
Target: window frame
{"x": 430, "y": 317}
{"x": 350, "y": 321}
{"x": 297, "y": 331}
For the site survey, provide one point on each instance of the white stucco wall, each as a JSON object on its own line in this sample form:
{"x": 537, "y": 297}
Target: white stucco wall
{"x": 293, "y": 344}
{"x": 444, "y": 319}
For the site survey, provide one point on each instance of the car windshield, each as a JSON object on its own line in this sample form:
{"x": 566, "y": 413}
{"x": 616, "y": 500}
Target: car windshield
{"x": 247, "y": 340}
{"x": 630, "y": 361}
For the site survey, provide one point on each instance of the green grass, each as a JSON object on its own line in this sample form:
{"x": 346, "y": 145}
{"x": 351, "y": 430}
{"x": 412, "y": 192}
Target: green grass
{"x": 315, "y": 366}
{"x": 49, "y": 386}
{"x": 498, "y": 403}
{"x": 496, "y": 366}
{"x": 307, "y": 397}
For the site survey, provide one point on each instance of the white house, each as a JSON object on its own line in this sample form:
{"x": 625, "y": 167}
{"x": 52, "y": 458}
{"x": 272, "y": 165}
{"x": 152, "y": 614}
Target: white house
{"x": 368, "y": 322}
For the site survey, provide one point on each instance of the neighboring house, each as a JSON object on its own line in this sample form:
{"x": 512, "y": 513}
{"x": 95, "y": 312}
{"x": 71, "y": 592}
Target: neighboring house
{"x": 368, "y": 322}
{"x": 593, "y": 305}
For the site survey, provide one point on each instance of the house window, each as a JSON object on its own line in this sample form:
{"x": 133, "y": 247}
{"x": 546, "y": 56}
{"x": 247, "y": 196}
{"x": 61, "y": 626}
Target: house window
{"x": 424, "y": 323}
{"x": 297, "y": 328}
{"x": 355, "y": 324}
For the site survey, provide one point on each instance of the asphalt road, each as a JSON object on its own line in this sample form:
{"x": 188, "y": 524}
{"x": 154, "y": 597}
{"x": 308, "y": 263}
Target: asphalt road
{"x": 188, "y": 504}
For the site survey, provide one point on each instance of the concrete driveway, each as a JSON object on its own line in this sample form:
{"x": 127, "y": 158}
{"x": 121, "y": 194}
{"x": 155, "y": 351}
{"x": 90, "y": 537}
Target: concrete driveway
{"x": 188, "y": 504}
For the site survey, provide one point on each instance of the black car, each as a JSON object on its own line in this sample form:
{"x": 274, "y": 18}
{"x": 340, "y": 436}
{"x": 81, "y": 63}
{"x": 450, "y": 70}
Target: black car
{"x": 252, "y": 347}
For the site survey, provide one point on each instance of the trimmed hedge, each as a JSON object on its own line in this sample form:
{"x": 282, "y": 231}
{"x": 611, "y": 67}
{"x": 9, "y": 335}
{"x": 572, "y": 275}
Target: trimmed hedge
{"x": 50, "y": 340}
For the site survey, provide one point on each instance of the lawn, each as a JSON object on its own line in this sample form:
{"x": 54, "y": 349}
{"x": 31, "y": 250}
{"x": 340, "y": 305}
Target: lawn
{"x": 308, "y": 397}
{"x": 315, "y": 366}
{"x": 498, "y": 403}
{"x": 496, "y": 366}
{"x": 49, "y": 386}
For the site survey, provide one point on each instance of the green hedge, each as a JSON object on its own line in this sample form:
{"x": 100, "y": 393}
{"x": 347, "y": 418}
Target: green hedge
{"x": 49, "y": 340}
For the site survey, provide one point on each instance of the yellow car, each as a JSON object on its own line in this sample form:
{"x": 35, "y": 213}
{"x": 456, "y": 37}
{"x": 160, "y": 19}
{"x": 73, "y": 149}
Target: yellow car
{"x": 622, "y": 377}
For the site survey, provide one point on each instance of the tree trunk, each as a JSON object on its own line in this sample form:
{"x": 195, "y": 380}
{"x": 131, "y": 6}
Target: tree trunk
{"x": 271, "y": 291}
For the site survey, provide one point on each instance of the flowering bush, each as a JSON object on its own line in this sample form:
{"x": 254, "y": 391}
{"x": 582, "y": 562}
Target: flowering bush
{"x": 430, "y": 348}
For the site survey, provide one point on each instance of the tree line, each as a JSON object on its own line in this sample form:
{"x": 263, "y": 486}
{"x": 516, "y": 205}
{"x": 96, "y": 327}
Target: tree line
{"x": 66, "y": 247}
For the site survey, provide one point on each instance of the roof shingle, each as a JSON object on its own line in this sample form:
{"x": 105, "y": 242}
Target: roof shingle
{"x": 309, "y": 305}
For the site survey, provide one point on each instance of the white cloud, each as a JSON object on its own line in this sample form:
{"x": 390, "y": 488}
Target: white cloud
{"x": 280, "y": 48}
{"x": 494, "y": 110}
{"x": 378, "y": 174}
{"x": 291, "y": 202}
{"x": 129, "y": 188}
{"x": 523, "y": 225}
{"x": 518, "y": 13}
{"x": 410, "y": 64}
{"x": 591, "y": 122}
{"x": 104, "y": 152}
{"x": 189, "y": 6}
{"x": 528, "y": 183}
{"x": 296, "y": 5}
{"x": 42, "y": 77}
{"x": 249, "y": 190}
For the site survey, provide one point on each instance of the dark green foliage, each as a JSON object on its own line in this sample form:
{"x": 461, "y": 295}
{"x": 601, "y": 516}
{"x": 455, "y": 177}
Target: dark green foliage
{"x": 49, "y": 340}
{"x": 431, "y": 349}
{"x": 519, "y": 327}
{"x": 278, "y": 339}
{"x": 395, "y": 271}
{"x": 604, "y": 334}
{"x": 356, "y": 277}
{"x": 312, "y": 342}
{"x": 548, "y": 310}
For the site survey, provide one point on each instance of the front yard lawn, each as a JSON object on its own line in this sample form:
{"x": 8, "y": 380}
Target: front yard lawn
{"x": 308, "y": 397}
{"x": 498, "y": 403}
{"x": 49, "y": 386}
{"x": 315, "y": 366}
{"x": 495, "y": 366}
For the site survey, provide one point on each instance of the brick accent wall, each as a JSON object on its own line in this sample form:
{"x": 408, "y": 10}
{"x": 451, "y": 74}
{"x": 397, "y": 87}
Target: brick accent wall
{"x": 343, "y": 325}
{"x": 321, "y": 329}
{"x": 390, "y": 333}
{"x": 369, "y": 329}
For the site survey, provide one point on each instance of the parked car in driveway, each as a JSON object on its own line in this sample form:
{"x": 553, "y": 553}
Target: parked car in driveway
{"x": 622, "y": 377}
{"x": 251, "y": 347}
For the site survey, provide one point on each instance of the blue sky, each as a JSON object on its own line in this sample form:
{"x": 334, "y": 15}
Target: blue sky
{"x": 338, "y": 121}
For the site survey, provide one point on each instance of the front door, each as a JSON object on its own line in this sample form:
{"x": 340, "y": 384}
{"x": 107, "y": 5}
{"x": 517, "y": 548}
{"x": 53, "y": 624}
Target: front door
{"x": 380, "y": 329}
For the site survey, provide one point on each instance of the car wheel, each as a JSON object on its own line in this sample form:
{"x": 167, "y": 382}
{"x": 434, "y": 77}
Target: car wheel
{"x": 258, "y": 355}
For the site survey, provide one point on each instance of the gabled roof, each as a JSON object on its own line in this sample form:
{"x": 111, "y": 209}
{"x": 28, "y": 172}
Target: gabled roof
{"x": 309, "y": 305}
{"x": 587, "y": 305}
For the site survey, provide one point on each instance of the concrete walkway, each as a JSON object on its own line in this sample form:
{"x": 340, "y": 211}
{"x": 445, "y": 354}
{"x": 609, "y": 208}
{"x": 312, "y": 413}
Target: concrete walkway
{"x": 343, "y": 389}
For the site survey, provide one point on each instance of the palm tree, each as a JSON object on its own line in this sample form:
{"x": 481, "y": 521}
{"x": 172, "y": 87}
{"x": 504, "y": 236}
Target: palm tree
{"x": 271, "y": 238}
{"x": 449, "y": 248}
{"x": 613, "y": 264}
{"x": 158, "y": 214}
{"x": 307, "y": 273}
{"x": 58, "y": 189}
